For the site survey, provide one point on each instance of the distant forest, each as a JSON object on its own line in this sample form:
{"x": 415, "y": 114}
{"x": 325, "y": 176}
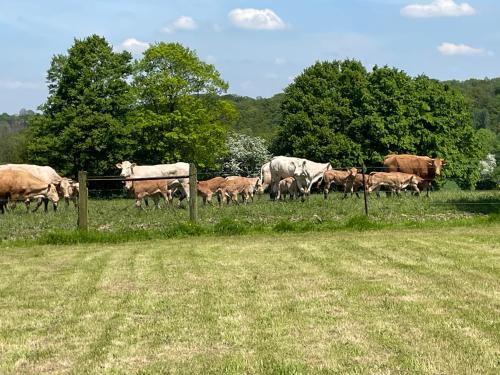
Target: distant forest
{"x": 261, "y": 117}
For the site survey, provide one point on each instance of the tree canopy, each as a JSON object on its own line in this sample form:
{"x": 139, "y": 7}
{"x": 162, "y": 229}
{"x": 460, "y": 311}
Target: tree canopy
{"x": 340, "y": 112}
{"x": 82, "y": 126}
{"x": 179, "y": 115}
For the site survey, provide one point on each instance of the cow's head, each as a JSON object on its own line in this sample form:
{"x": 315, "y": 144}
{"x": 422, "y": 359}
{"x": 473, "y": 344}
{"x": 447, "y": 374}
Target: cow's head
{"x": 302, "y": 177}
{"x": 437, "y": 164}
{"x": 126, "y": 167}
{"x": 258, "y": 186}
{"x": 67, "y": 188}
{"x": 351, "y": 173}
{"x": 52, "y": 194}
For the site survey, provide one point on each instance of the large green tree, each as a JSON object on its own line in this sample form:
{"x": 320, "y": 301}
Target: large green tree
{"x": 83, "y": 121}
{"x": 179, "y": 115}
{"x": 338, "y": 111}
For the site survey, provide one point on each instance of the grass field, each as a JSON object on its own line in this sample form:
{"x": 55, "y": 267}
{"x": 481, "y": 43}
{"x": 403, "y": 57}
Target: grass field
{"x": 379, "y": 302}
{"x": 120, "y": 215}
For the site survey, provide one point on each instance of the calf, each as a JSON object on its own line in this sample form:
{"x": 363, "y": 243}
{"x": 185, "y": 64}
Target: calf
{"x": 288, "y": 186}
{"x": 395, "y": 181}
{"x": 206, "y": 189}
{"x": 17, "y": 184}
{"x": 155, "y": 189}
{"x": 246, "y": 186}
{"x": 344, "y": 179}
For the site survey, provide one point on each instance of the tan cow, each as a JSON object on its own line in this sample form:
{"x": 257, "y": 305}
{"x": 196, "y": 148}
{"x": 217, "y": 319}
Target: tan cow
{"x": 344, "y": 179}
{"x": 207, "y": 188}
{"x": 16, "y": 184}
{"x": 422, "y": 166}
{"x": 70, "y": 190}
{"x": 394, "y": 181}
{"x": 42, "y": 172}
{"x": 288, "y": 186}
{"x": 246, "y": 186}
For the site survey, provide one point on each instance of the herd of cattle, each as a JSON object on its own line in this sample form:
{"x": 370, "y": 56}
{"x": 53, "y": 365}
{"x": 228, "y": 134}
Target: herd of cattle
{"x": 281, "y": 176}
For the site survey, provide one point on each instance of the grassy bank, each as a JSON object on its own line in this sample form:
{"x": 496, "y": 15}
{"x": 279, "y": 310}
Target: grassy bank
{"x": 413, "y": 301}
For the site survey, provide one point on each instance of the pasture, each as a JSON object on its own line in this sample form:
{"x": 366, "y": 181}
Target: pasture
{"x": 415, "y": 301}
{"x": 119, "y": 216}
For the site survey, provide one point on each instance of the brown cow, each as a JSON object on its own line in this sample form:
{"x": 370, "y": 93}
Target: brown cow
{"x": 288, "y": 186}
{"x": 246, "y": 186}
{"x": 17, "y": 184}
{"x": 340, "y": 178}
{"x": 395, "y": 181}
{"x": 422, "y": 166}
{"x": 207, "y": 188}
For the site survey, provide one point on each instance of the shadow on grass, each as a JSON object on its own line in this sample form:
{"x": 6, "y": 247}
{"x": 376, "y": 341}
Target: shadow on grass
{"x": 478, "y": 205}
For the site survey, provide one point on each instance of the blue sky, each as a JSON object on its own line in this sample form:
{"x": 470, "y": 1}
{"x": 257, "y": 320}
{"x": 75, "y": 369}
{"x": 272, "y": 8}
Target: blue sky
{"x": 258, "y": 46}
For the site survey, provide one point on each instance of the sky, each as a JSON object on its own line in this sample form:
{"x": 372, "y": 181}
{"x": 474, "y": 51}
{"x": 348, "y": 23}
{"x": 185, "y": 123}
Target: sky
{"x": 257, "y": 46}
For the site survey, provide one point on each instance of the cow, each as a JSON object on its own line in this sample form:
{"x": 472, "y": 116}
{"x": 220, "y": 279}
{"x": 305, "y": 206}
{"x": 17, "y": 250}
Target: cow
{"x": 344, "y": 179}
{"x": 70, "y": 190}
{"x": 246, "y": 186}
{"x": 42, "y": 172}
{"x": 422, "y": 166}
{"x": 287, "y": 186}
{"x": 305, "y": 172}
{"x": 131, "y": 170}
{"x": 394, "y": 181}
{"x": 17, "y": 184}
{"x": 206, "y": 189}
{"x": 155, "y": 189}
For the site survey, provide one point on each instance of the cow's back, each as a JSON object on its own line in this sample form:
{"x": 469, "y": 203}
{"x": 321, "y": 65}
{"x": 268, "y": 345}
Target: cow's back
{"x": 412, "y": 164}
{"x": 42, "y": 172}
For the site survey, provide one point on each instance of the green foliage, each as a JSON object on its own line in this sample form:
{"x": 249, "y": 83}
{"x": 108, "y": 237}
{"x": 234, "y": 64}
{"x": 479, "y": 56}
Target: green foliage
{"x": 179, "y": 116}
{"x": 258, "y": 117}
{"x": 13, "y": 136}
{"x": 245, "y": 156}
{"x": 82, "y": 126}
{"x": 338, "y": 111}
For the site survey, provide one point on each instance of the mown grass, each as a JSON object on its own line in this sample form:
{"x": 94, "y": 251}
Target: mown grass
{"x": 411, "y": 301}
{"x": 117, "y": 220}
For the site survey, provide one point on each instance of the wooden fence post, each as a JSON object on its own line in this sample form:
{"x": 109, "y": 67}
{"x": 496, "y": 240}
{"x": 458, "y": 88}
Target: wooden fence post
{"x": 82, "y": 201}
{"x": 193, "y": 194}
{"x": 364, "y": 189}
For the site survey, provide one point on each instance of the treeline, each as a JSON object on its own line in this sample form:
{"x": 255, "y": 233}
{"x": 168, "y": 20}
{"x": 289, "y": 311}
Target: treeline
{"x": 167, "y": 106}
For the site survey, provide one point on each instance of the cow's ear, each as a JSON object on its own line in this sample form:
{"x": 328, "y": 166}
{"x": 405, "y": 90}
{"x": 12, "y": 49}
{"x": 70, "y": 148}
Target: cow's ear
{"x": 119, "y": 165}
{"x": 293, "y": 163}
{"x": 133, "y": 165}
{"x": 304, "y": 163}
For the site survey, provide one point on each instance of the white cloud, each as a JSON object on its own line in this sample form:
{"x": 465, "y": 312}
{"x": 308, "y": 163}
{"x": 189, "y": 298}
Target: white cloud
{"x": 134, "y": 45}
{"x": 256, "y": 19}
{"x": 181, "y": 23}
{"x": 450, "y": 49}
{"x": 13, "y": 85}
{"x": 438, "y": 8}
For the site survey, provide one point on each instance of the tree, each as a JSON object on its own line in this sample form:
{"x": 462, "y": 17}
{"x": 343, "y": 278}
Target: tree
{"x": 83, "y": 121}
{"x": 179, "y": 115}
{"x": 339, "y": 112}
{"x": 246, "y": 155}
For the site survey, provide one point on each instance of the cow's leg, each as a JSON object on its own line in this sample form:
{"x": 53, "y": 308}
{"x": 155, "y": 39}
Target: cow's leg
{"x": 326, "y": 190}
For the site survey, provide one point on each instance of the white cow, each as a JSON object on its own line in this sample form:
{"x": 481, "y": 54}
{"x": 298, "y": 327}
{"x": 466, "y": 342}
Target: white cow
{"x": 45, "y": 173}
{"x": 305, "y": 172}
{"x": 131, "y": 170}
